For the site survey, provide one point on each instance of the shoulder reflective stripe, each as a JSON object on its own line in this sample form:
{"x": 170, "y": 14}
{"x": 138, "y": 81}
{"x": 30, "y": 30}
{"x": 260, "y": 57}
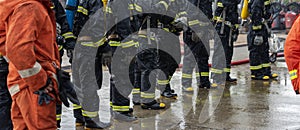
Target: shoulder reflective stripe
{"x": 163, "y": 82}
{"x": 184, "y": 75}
{"x": 31, "y": 71}
{"x": 266, "y": 65}
{"x": 164, "y": 3}
{"x": 90, "y": 113}
{"x": 220, "y": 4}
{"x": 75, "y": 106}
{"x": 82, "y": 10}
{"x": 136, "y": 91}
{"x": 58, "y": 117}
{"x": 205, "y": 74}
{"x": 14, "y": 89}
{"x": 68, "y": 35}
{"x": 147, "y": 95}
{"x": 256, "y": 67}
{"x": 256, "y": 27}
{"x": 293, "y": 74}
{"x": 226, "y": 69}
{"x": 267, "y": 2}
{"x": 217, "y": 71}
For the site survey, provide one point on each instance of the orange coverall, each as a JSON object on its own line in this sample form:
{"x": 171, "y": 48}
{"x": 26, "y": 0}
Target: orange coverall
{"x": 31, "y": 51}
{"x": 292, "y": 54}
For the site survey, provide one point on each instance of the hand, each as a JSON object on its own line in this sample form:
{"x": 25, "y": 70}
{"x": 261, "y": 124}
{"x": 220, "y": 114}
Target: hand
{"x": 258, "y": 40}
{"x": 43, "y": 93}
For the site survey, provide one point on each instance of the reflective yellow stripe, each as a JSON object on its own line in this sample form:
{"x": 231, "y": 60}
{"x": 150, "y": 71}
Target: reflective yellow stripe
{"x": 193, "y": 22}
{"x": 68, "y": 35}
{"x": 120, "y": 108}
{"x": 217, "y": 71}
{"x": 267, "y": 2}
{"x": 108, "y": 10}
{"x": 110, "y": 104}
{"x": 166, "y": 29}
{"x": 197, "y": 74}
{"x": 216, "y": 18}
{"x": 82, "y": 10}
{"x": 144, "y": 36}
{"x": 136, "y": 91}
{"x": 114, "y": 43}
{"x": 293, "y": 74}
{"x": 60, "y": 47}
{"x": 75, "y": 106}
{"x": 165, "y": 4}
{"x": 129, "y": 44}
{"x": 52, "y": 7}
{"x": 256, "y": 67}
{"x": 256, "y": 27}
{"x": 205, "y": 74}
{"x": 184, "y": 75}
{"x": 90, "y": 113}
{"x": 31, "y": 71}
{"x": 163, "y": 82}
{"x": 147, "y": 95}
{"x": 226, "y": 69}
{"x": 220, "y": 4}
{"x": 14, "y": 89}
{"x": 266, "y": 65}
{"x": 135, "y": 7}
{"x": 58, "y": 117}
{"x": 237, "y": 25}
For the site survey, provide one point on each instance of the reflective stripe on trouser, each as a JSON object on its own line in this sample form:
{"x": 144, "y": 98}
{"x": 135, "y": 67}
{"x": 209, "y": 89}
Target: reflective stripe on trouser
{"x": 85, "y": 83}
{"x": 200, "y": 54}
{"x": 189, "y": 64}
{"x": 91, "y": 114}
{"x": 259, "y": 54}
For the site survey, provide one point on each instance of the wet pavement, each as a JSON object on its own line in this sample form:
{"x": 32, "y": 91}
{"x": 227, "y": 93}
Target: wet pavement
{"x": 248, "y": 104}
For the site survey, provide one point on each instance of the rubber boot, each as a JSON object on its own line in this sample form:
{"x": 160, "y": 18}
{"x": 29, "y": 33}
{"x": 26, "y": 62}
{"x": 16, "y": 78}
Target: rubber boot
{"x": 94, "y": 123}
{"x": 154, "y": 105}
{"x": 124, "y": 116}
{"x": 229, "y": 79}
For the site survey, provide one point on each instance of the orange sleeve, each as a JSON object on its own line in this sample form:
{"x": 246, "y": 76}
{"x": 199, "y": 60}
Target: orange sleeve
{"x": 22, "y": 33}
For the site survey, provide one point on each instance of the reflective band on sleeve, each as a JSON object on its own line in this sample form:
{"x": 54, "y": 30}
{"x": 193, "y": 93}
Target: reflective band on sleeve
{"x": 92, "y": 44}
{"x": 267, "y": 2}
{"x": 147, "y": 95}
{"x": 193, "y": 22}
{"x": 164, "y": 3}
{"x": 129, "y": 44}
{"x": 256, "y": 27}
{"x": 75, "y": 106}
{"x": 266, "y": 65}
{"x": 184, "y": 75}
{"x": 163, "y": 82}
{"x": 144, "y": 36}
{"x": 82, "y": 10}
{"x": 68, "y": 35}
{"x": 14, "y": 89}
{"x": 120, "y": 108}
{"x": 293, "y": 74}
{"x": 89, "y": 113}
{"x": 197, "y": 74}
{"x": 217, "y": 71}
{"x": 114, "y": 43}
{"x": 256, "y": 67}
{"x": 58, "y": 117}
{"x": 220, "y": 4}
{"x": 204, "y": 74}
{"x": 60, "y": 47}
{"x": 31, "y": 71}
{"x": 226, "y": 69}
{"x": 136, "y": 91}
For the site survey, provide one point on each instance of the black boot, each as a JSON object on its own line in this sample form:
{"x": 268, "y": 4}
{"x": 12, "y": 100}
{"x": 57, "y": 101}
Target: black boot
{"x": 205, "y": 85}
{"x": 95, "y": 123}
{"x": 124, "y": 116}
{"x": 153, "y": 105}
{"x": 229, "y": 79}
{"x": 169, "y": 94}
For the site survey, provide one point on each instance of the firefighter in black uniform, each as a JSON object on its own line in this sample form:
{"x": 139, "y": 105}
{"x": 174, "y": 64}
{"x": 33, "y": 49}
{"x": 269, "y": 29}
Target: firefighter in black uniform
{"x": 227, "y": 24}
{"x": 197, "y": 43}
{"x": 65, "y": 40}
{"x": 257, "y": 39}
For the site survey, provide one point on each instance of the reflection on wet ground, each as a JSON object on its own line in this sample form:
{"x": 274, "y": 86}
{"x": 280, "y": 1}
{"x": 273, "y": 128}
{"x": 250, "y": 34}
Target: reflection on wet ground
{"x": 246, "y": 105}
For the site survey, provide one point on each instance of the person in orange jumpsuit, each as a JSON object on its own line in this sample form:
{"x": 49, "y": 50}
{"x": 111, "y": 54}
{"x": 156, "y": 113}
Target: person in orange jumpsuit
{"x": 33, "y": 57}
{"x": 292, "y": 54}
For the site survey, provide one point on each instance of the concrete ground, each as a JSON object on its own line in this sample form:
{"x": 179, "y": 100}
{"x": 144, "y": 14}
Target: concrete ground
{"x": 246, "y": 105}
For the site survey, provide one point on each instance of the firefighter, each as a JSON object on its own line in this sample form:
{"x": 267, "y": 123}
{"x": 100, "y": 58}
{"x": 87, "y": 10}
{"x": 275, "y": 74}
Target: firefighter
{"x": 257, "y": 39}
{"x": 65, "y": 40}
{"x": 5, "y": 98}
{"x": 226, "y": 20}
{"x": 198, "y": 46}
{"x": 31, "y": 79}
{"x": 291, "y": 54}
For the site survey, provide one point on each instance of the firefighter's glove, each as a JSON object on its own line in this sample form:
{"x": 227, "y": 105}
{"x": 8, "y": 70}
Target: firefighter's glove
{"x": 196, "y": 37}
{"x": 69, "y": 44}
{"x": 66, "y": 88}
{"x": 107, "y": 58}
{"x": 43, "y": 93}
{"x": 60, "y": 40}
{"x": 258, "y": 40}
